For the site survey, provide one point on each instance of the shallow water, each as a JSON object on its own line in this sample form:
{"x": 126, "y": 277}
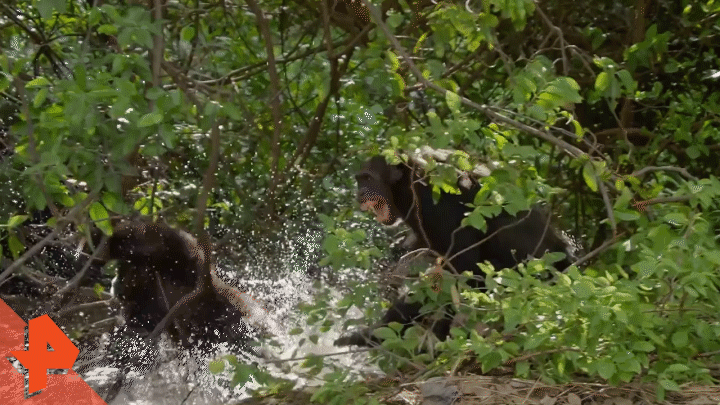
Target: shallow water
{"x": 182, "y": 376}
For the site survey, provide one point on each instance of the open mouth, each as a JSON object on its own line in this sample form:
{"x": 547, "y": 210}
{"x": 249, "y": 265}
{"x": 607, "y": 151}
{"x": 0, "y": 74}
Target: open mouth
{"x": 377, "y": 205}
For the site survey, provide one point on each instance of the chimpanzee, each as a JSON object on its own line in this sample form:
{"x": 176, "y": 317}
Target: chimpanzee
{"x": 166, "y": 281}
{"x": 398, "y": 192}
{"x": 164, "y": 276}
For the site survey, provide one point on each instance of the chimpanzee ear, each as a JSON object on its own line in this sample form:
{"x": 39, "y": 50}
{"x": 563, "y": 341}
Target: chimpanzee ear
{"x": 395, "y": 174}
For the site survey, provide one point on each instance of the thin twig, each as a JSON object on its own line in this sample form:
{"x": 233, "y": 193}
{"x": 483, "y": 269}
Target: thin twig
{"x": 38, "y": 246}
{"x": 608, "y": 205}
{"x": 649, "y": 169}
{"x": 274, "y": 101}
{"x": 598, "y": 250}
{"x": 559, "y": 33}
{"x": 485, "y": 109}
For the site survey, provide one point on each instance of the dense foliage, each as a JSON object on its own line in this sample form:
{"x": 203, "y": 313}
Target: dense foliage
{"x": 607, "y": 111}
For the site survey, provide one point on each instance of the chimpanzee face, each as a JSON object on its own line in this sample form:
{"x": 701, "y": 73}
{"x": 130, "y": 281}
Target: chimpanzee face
{"x": 375, "y": 182}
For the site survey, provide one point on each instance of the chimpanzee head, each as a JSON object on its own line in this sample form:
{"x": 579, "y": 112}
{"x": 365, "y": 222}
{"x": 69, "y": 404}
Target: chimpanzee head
{"x": 375, "y": 183}
{"x": 150, "y": 244}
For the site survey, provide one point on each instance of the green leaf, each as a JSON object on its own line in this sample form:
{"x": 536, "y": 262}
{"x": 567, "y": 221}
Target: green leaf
{"x": 420, "y": 42}
{"x": 672, "y": 66}
{"x": 453, "y": 101}
{"x": 385, "y": 333}
{"x": 491, "y": 361}
{"x": 583, "y": 288}
{"x": 605, "y": 63}
{"x": 394, "y": 61}
{"x": 398, "y": 84}
{"x": 537, "y": 112}
{"x": 4, "y": 80}
{"x": 80, "y": 76}
{"x": 522, "y": 369}
{"x": 124, "y": 37}
{"x": 143, "y": 37}
{"x": 107, "y": 29}
{"x": 149, "y": 119}
{"x": 632, "y": 366}
{"x": 620, "y": 315}
{"x": 94, "y": 16}
{"x": 680, "y": 339}
{"x": 589, "y": 176}
{"x": 676, "y": 218}
{"x": 100, "y": 216}
{"x": 187, "y": 33}
{"x": 606, "y": 368}
{"x": 40, "y": 81}
{"x": 643, "y": 347}
{"x": 477, "y": 220}
{"x": 602, "y": 82}
{"x": 627, "y": 80}
{"x": 513, "y": 317}
{"x": 566, "y": 88}
{"x": 113, "y": 202}
{"x": 16, "y": 247}
{"x": 660, "y": 392}
{"x": 651, "y": 32}
{"x": 46, "y": 8}
{"x": 216, "y": 366}
{"x": 713, "y": 256}
{"x": 394, "y": 19}
{"x": 98, "y": 212}
{"x": 626, "y": 215}
{"x": 669, "y": 385}
{"x": 550, "y": 101}
{"x": 242, "y": 375}
{"x": 534, "y": 341}
{"x": 677, "y": 368}
{"x": 16, "y": 220}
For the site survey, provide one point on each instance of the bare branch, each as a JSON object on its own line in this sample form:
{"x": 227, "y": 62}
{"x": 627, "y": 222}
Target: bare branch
{"x": 274, "y": 100}
{"x": 598, "y": 250}
{"x": 485, "y": 109}
{"x": 649, "y": 169}
{"x": 38, "y": 246}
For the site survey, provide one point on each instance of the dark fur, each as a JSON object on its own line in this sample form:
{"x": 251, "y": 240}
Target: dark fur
{"x": 158, "y": 267}
{"x": 386, "y": 189}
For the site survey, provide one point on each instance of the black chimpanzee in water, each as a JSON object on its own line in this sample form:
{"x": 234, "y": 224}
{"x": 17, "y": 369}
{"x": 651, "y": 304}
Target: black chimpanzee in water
{"x": 164, "y": 281}
{"x": 398, "y": 192}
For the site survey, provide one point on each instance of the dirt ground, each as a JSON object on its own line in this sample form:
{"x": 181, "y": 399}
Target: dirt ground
{"x": 476, "y": 390}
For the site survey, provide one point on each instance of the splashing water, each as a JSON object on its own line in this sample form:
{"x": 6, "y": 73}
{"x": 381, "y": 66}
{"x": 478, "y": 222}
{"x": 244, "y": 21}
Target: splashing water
{"x": 277, "y": 279}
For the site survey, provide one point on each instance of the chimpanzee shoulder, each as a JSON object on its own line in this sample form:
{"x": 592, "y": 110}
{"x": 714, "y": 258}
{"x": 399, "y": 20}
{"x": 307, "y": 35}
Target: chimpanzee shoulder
{"x": 157, "y": 247}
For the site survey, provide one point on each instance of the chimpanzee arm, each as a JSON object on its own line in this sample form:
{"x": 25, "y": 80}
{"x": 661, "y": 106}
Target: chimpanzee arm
{"x": 202, "y": 250}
